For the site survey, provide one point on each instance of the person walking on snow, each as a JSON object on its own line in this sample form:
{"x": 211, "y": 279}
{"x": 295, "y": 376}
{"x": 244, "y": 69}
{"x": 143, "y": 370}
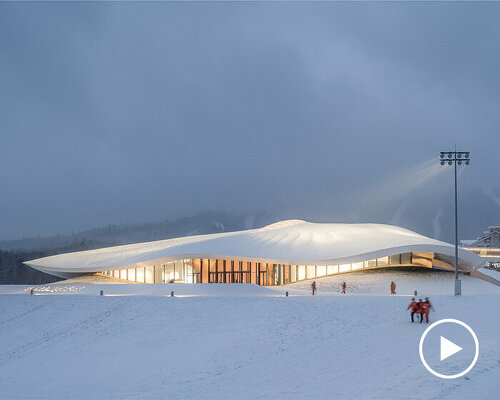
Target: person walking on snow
{"x": 426, "y": 306}
{"x": 393, "y": 288}
{"x": 413, "y": 307}
{"x": 313, "y": 287}
{"x": 420, "y": 309}
{"x": 343, "y": 287}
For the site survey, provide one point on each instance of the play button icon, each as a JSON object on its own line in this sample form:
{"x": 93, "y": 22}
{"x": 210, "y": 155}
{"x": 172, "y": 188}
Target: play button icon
{"x": 448, "y": 348}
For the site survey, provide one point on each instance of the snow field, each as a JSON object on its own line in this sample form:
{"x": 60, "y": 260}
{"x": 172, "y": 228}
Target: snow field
{"x": 255, "y": 345}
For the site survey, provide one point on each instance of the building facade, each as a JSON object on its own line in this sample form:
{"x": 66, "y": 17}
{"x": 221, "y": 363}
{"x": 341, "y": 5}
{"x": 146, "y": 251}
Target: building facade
{"x": 488, "y": 247}
{"x": 264, "y": 274}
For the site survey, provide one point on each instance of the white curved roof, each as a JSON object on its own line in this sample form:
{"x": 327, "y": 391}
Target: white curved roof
{"x": 286, "y": 242}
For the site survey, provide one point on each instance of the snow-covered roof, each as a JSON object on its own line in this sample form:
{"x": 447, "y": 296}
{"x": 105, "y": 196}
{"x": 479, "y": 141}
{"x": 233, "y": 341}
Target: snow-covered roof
{"x": 286, "y": 242}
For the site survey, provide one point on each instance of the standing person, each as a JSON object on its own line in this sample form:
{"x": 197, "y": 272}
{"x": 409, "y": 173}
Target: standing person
{"x": 413, "y": 307}
{"x": 343, "y": 287}
{"x": 313, "y": 287}
{"x": 426, "y": 307}
{"x": 393, "y": 288}
{"x": 420, "y": 309}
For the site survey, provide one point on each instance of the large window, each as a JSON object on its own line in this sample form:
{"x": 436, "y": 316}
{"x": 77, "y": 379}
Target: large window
{"x": 382, "y": 261}
{"x": 131, "y": 274}
{"x": 332, "y": 269}
{"x": 169, "y": 274}
{"x": 139, "y": 271}
{"x": 357, "y": 265}
{"x": 158, "y": 273}
{"x": 188, "y": 271}
{"x": 302, "y": 272}
{"x": 150, "y": 274}
{"x": 344, "y": 267}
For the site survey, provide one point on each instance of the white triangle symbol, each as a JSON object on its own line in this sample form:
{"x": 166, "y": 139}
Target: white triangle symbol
{"x": 448, "y": 348}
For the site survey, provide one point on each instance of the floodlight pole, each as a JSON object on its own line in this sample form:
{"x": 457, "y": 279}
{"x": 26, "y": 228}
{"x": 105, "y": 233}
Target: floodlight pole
{"x": 455, "y": 157}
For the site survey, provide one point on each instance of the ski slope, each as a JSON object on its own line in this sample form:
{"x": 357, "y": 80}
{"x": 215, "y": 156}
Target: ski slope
{"x": 255, "y": 344}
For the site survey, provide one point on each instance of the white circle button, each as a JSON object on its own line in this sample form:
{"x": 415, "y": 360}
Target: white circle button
{"x": 448, "y": 348}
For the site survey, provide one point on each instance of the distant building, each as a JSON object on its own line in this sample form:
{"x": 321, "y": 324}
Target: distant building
{"x": 487, "y": 246}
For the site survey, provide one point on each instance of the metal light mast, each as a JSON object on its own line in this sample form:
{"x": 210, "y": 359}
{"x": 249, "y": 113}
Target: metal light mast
{"x": 456, "y": 157}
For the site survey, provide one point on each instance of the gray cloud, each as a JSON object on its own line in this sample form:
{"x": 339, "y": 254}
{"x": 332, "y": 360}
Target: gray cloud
{"x": 123, "y": 112}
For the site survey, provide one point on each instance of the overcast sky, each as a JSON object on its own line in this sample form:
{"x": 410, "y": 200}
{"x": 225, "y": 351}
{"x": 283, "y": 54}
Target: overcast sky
{"x": 129, "y": 112}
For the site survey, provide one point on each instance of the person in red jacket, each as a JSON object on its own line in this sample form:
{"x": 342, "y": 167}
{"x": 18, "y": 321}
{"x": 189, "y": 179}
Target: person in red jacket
{"x": 313, "y": 287}
{"x": 393, "y": 287}
{"x": 425, "y": 307}
{"x": 413, "y": 307}
{"x": 421, "y": 309}
{"x": 343, "y": 287}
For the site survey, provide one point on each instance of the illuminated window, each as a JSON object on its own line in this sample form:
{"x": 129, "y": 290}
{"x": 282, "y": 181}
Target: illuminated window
{"x": 311, "y": 271}
{"x": 179, "y": 269}
{"x": 371, "y": 263}
{"x": 293, "y": 273}
{"x": 321, "y": 270}
{"x": 169, "y": 272}
{"x": 383, "y": 261}
{"x": 149, "y": 274}
{"x": 357, "y": 265}
{"x": 188, "y": 273}
{"x": 131, "y": 274}
{"x": 332, "y": 269}
{"x": 139, "y": 274}
{"x": 344, "y": 267}
{"x": 302, "y": 272}
{"x": 116, "y": 273}
{"x": 158, "y": 271}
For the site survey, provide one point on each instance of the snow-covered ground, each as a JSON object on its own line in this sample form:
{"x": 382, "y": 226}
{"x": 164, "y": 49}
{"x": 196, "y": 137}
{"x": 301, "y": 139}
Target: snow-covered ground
{"x": 245, "y": 342}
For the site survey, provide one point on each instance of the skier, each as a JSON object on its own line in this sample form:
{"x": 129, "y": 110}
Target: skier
{"x": 393, "y": 288}
{"x": 313, "y": 287}
{"x": 413, "y": 307}
{"x": 343, "y": 287}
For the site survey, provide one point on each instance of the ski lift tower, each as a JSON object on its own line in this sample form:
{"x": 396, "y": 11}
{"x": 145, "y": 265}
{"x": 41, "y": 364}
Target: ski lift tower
{"x": 456, "y": 157}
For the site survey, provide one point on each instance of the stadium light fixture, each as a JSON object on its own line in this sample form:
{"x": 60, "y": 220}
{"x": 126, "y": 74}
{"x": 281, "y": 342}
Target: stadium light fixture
{"x": 455, "y": 157}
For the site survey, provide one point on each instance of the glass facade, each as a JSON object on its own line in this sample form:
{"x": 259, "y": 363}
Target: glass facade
{"x": 264, "y": 274}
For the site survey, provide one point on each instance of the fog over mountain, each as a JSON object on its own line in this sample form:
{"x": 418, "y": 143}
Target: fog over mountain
{"x": 130, "y": 114}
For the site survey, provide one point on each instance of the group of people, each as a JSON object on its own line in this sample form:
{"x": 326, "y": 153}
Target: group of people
{"x": 416, "y": 307}
{"x": 343, "y": 287}
{"x": 421, "y": 307}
